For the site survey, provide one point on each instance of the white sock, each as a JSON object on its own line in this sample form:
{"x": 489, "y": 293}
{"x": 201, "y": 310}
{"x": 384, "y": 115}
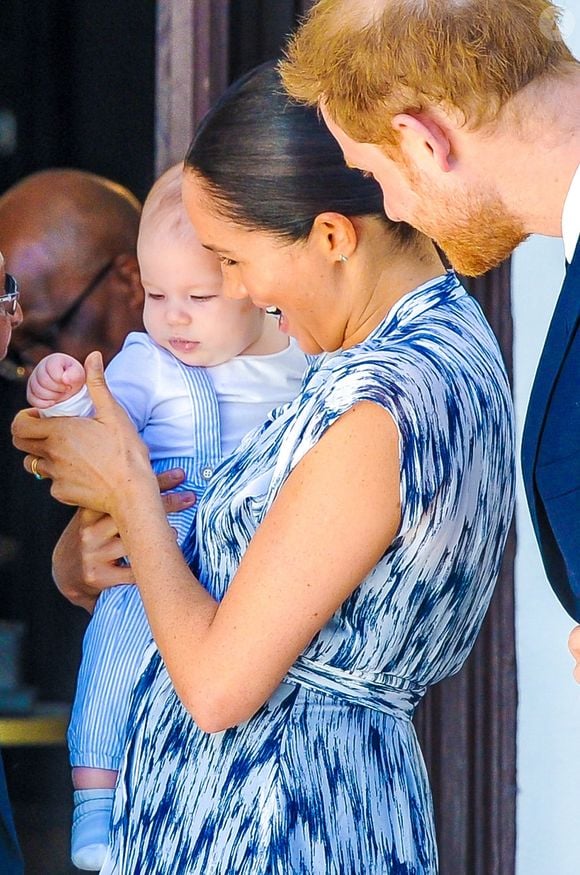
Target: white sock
{"x": 90, "y": 828}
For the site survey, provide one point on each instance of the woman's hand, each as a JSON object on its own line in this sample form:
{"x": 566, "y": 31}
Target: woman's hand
{"x": 84, "y": 562}
{"x": 86, "y": 558}
{"x": 98, "y": 463}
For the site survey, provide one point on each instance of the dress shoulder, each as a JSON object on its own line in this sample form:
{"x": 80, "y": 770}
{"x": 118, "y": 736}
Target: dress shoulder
{"x": 441, "y": 379}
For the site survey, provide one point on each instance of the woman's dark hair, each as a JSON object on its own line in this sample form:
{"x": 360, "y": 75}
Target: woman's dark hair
{"x": 272, "y": 165}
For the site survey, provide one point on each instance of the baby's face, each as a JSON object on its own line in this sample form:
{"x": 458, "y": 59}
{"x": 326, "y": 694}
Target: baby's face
{"x": 185, "y": 310}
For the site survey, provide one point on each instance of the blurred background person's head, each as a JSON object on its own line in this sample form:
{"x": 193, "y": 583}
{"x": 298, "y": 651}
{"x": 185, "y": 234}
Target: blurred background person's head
{"x": 70, "y": 239}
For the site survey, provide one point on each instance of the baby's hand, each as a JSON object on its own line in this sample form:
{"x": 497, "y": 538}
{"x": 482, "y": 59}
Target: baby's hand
{"x": 56, "y": 378}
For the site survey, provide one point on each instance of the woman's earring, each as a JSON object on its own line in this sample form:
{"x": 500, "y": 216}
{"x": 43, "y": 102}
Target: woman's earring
{"x": 344, "y": 258}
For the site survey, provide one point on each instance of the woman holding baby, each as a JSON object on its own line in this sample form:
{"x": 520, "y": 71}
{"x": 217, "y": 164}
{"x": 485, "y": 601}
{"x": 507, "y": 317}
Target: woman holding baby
{"x": 347, "y": 551}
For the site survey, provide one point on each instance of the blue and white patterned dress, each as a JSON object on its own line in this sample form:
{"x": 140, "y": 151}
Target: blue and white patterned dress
{"x": 327, "y": 777}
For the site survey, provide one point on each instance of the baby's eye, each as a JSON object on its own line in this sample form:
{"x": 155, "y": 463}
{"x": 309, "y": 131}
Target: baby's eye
{"x": 202, "y": 297}
{"x": 153, "y": 297}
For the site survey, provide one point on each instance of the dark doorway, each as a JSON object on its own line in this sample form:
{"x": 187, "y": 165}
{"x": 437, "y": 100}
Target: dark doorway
{"x": 77, "y": 88}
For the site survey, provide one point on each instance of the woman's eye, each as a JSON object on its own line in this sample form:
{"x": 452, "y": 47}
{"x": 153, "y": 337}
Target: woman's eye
{"x": 226, "y": 262}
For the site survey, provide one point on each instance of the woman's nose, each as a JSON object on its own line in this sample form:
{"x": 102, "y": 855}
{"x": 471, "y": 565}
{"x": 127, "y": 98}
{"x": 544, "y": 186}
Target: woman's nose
{"x": 234, "y": 288}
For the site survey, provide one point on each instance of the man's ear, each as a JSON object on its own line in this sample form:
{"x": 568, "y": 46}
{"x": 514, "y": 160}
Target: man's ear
{"x": 126, "y": 272}
{"x": 335, "y": 235}
{"x": 423, "y": 137}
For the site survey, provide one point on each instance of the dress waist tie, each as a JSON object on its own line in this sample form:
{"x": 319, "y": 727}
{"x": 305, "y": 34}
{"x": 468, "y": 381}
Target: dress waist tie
{"x": 381, "y": 692}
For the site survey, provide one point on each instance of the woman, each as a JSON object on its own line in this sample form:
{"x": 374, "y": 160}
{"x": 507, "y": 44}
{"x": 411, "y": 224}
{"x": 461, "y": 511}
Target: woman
{"x": 346, "y": 552}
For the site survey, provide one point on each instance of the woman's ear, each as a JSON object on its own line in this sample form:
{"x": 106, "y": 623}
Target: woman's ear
{"x": 335, "y": 236}
{"x": 421, "y": 138}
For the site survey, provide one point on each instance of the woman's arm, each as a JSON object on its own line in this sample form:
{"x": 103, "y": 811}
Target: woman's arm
{"x": 332, "y": 521}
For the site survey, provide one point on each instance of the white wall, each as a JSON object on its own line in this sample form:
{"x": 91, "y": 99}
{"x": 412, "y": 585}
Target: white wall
{"x": 548, "y": 829}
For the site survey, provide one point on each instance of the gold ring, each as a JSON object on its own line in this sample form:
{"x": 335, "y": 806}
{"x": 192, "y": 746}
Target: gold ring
{"x": 34, "y": 468}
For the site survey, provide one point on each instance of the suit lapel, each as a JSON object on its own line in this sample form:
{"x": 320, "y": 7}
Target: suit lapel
{"x": 559, "y": 334}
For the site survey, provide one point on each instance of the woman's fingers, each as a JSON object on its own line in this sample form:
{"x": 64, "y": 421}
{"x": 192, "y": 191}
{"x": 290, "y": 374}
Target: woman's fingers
{"x": 100, "y": 575}
{"x": 97, "y": 386}
{"x": 85, "y": 558}
{"x": 173, "y": 502}
{"x": 87, "y": 517}
{"x": 170, "y": 479}
{"x": 91, "y": 461}
{"x": 99, "y": 536}
{"x": 28, "y": 431}
{"x": 101, "y": 548}
{"x": 31, "y": 464}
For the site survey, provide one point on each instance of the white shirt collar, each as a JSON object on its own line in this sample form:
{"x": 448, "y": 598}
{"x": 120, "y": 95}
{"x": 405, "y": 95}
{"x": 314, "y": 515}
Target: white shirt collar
{"x": 571, "y": 217}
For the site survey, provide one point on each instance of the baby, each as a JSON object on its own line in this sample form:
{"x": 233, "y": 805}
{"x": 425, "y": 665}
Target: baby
{"x": 207, "y": 370}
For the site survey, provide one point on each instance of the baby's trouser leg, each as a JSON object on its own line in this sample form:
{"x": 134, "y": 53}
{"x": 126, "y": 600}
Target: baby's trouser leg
{"x": 113, "y": 649}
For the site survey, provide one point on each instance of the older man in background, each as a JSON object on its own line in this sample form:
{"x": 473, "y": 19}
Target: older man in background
{"x": 70, "y": 238}
{"x": 468, "y": 115}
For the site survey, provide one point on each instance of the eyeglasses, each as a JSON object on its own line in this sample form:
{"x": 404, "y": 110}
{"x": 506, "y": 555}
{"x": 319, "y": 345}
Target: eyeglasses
{"x": 9, "y": 300}
{"x": 49, "y": 336}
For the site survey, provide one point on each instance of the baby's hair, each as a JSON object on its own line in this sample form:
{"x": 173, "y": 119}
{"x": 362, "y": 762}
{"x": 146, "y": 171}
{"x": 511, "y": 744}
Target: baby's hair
{"x": 163, "y": 208}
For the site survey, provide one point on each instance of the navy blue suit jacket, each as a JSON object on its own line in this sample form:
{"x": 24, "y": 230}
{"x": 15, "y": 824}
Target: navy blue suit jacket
{"x": 551, "y": 446}
{"x": 10, "y": 859}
